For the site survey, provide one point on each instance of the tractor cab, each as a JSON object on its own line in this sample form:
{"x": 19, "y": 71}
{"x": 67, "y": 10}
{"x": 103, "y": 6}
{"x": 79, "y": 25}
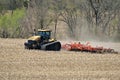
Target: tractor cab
{"x": 45, "y": 34}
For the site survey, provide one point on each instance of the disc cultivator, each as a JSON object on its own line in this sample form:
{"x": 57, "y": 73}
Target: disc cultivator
{"x": 86, "y": 48}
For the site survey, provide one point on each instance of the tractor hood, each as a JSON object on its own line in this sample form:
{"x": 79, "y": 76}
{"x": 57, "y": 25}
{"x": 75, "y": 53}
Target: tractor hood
{"x": 34, "y": 38}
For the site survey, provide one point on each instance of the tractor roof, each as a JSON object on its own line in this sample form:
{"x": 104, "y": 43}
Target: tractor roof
{"x": 44, "y": 30}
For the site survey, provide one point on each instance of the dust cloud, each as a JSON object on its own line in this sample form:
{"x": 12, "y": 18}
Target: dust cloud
{"x": 84, "y": 35}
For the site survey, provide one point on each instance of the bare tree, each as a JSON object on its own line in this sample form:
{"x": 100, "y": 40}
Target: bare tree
{"x": 99, "y": 14}
{"x": 70, "y": 18}
{"x": 42, "y": 13}
{"x": 56, "y": 7}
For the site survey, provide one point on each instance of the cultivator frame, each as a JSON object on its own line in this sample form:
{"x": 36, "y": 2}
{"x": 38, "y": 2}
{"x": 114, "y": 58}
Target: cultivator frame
{"x": 86, "y": 48}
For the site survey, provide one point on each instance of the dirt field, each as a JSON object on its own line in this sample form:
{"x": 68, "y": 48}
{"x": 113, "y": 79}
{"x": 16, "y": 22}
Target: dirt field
{"x": 16, "y": 63}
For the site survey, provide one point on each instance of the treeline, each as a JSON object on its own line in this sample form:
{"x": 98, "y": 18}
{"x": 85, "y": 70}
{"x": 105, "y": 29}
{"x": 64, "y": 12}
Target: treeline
{"x": 97, "y": 19}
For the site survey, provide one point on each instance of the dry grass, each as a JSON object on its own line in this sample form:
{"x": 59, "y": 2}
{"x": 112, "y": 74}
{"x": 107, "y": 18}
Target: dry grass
{"x": 16, "y": 63}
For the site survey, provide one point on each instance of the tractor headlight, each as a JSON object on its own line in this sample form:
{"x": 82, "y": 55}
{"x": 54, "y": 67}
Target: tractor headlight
{"x": 26, "y": 41}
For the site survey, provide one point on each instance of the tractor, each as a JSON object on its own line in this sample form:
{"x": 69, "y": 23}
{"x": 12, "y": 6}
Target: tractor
{"x": 42, "y": 40}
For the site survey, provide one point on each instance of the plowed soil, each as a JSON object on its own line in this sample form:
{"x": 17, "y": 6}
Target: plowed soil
{"x": 17, "y": 63}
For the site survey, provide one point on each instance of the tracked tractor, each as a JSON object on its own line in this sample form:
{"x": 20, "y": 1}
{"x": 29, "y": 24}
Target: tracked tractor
{"x": 42, "y": 40}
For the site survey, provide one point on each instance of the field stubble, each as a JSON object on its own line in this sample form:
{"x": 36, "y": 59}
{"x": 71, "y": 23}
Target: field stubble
{"x": 16, "y": 63}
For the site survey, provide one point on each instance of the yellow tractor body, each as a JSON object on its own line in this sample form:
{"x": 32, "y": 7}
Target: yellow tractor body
{"x": 43, "y": 41}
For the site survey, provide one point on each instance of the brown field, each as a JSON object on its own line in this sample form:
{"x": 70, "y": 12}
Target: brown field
{"x": 16, "y": 63}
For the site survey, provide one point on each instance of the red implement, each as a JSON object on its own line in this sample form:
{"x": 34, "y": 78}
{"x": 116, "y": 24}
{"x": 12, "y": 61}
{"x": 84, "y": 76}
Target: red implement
{"x": 86, "y": 48}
